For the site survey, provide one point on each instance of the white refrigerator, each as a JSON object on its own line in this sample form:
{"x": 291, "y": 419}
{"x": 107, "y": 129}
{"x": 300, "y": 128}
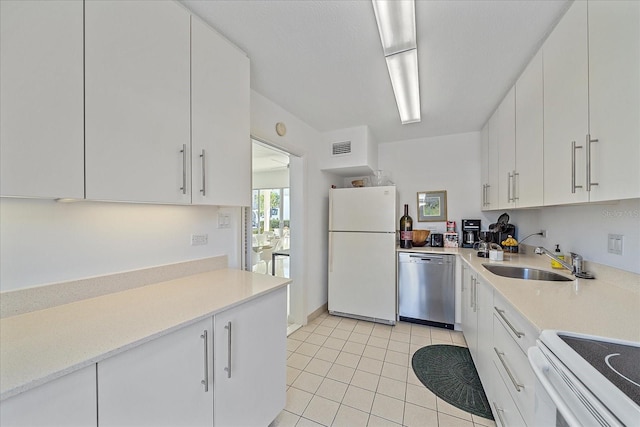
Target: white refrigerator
{"x": 362, "y": 253}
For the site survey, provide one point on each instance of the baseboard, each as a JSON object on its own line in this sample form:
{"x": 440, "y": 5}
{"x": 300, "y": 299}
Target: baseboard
{"x": 324, "y": 308}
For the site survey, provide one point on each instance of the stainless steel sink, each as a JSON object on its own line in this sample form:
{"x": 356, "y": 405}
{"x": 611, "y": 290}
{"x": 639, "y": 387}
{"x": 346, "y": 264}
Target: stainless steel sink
{"x": 525, "y": 273}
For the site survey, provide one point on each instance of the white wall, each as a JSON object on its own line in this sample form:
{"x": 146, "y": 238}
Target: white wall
{"x": 45, "y": 242}
{"x": 584, "y": 228}
{"x": 448, "y": 163}
{"x": 309, "y": 195}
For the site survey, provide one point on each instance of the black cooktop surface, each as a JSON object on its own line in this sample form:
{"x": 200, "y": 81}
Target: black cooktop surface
{"x": 619, "y": 363}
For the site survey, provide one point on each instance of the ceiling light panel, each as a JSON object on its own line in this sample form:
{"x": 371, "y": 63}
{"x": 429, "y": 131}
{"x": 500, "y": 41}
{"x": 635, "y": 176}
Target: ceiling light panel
{"x": 403, "y": 71}
{"x": 396, "y": 21}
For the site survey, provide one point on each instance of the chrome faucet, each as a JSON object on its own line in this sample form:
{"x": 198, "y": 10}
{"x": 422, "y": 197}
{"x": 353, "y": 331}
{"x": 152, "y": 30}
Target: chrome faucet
{"x": 576, "y": 263}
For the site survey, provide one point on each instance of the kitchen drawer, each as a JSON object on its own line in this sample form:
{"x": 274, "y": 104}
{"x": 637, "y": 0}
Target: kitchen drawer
{"x": 523, "y": 332}
{"x": 514, "y": 369}
{"x": 504, "y": 408}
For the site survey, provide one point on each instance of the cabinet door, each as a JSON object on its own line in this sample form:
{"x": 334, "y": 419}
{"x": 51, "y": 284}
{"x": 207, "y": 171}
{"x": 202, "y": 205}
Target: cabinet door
{"x": 66, "y": 401}
{"x": 485, "y": 332}
{"x": 493, "y": 186}
{"x": 614, "y": 99}
{"x": 484, "y": 164}
{"x": 507, "y": 150}
{"x": 469, "y": 313}
{"x": 529, "y": 135}
{"x": 41, "y": 99}
{"x": 137, "y": 101}
{"x": 220, "y": 120}
{"x": 250, "y": 361}
{"x": 160, "y": 382}
{"x": 566, "y": 108}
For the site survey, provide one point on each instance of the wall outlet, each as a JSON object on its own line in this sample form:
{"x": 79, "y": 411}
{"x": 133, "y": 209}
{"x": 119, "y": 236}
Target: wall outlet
{"x": 199, "y": 239}
{"x": 614, "y": 243}
{"x": 544, "y": 233}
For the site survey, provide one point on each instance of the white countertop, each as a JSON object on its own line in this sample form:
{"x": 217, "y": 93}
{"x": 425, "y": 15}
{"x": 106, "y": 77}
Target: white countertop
{"x": 43, "y": 345}
{"x": 597, "y": 307}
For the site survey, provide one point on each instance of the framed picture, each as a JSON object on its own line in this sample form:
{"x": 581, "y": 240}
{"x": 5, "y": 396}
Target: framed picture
{"x": 432, "y": 206}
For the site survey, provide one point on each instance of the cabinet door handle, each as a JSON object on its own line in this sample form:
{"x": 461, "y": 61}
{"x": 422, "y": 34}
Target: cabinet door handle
{"x": 574, "y": 147}
{"x": 499, "y": 411}
{"x": 515, "y": 331}
{"x": 228, "y": 368}
{"x": 205, "y": 381}
{"x": 588, "y": 150}
{"x": 184, "y": 169}
{"x": 509, "y": 186}
{"x": 517, "y": 385}
{"x": 474, "y": 293}
{"x": 204, "y": 180}
{"x": 515, "y": 175}
{"x": 488, "y": 195}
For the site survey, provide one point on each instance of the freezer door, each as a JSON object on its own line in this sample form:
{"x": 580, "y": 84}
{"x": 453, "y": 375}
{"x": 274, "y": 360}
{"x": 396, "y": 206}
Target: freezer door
{"x": 362, "y": 277}
{"x": 363, "y": 209}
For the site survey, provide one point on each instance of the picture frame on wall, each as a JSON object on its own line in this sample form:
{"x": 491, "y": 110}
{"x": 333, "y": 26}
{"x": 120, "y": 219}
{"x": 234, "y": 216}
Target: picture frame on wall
{"x": 432, "y": 206}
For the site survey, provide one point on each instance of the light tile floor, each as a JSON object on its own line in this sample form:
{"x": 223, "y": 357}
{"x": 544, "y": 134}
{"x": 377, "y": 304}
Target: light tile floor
{"x": 345, "y": 372}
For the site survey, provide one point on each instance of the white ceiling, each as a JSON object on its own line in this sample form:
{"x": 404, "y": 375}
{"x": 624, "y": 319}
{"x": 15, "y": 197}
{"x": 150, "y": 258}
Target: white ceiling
{"x": 267, "y": 159}
{"x": 322, "y": 60}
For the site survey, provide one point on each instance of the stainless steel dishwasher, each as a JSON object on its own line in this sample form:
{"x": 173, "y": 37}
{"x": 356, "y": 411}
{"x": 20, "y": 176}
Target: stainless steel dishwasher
{"x": 426, "y": 288}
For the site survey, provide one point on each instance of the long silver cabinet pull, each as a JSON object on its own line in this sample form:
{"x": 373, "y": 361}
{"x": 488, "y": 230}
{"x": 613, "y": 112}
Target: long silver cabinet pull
{"x": 205, "y": 381}
{"x": 184, "y": 169}
{"x": 574, "y": 147}
{"x": 474, "y": 294}
{"x": 228, "y": 368}
{"x": 488, "y": 194}
{"x": 588, "y": 145}
{"x": 515, "y": 175}
{"x": 515, "y": 331}
{"x": 204, "y": 180}
{"x": 517, "y": 385}
{"x": 509, "y": 187}
{"x": 499, "y": 412}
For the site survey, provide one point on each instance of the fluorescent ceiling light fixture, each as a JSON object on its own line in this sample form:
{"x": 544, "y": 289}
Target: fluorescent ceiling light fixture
{"x": 396, "y": 21}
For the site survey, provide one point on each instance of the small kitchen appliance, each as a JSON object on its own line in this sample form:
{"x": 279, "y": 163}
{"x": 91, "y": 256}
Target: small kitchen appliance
{"x": 436, "y": 240}
{"x": 470, "y": 232}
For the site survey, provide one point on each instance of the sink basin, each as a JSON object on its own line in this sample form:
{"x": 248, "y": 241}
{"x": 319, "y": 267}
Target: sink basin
{"x": 525, "y": 273}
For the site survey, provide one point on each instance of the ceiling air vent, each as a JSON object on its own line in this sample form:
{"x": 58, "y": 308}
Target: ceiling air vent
{"x": 341, "y": 148}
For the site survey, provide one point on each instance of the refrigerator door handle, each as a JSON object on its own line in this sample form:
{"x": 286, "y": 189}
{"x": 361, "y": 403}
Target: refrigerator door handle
{"x": 330, "y": 252}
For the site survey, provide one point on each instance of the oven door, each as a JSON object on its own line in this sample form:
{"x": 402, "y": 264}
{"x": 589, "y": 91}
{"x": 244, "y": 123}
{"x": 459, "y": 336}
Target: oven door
{"x": 561, "y": 399}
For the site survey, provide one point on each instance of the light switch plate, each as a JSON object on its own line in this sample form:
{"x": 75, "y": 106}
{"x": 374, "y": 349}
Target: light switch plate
{"x": 615, "y": 244}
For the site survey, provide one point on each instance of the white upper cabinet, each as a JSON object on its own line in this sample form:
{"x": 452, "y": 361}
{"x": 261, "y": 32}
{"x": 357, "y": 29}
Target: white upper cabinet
{"x": 507, "y": 150}
{"x": 493, "y": 183}
{"x": 41, "y": 99}
{"x": 614, "y": 99}
{"x": 137, "y": 100}
{"x": 221, "y": 143}
{"x": 566, "y": 102}
{"x": 529, "y": 135}
{"x": 484, "y": 163}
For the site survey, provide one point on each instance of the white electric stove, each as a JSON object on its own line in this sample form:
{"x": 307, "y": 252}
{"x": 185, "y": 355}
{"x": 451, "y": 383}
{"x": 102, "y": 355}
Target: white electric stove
{"x": 585, "y": 380}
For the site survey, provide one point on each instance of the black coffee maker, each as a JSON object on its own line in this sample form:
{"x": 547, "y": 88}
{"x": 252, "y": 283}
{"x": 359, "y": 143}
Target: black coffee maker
{"x": 470, "y": 232}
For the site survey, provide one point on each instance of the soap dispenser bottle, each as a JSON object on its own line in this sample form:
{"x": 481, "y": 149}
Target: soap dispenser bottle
{"x": 557, "y": 253}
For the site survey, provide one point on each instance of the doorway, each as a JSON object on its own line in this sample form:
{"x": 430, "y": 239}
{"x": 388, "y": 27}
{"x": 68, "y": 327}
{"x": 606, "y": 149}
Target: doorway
{"x": 272, "y": 228}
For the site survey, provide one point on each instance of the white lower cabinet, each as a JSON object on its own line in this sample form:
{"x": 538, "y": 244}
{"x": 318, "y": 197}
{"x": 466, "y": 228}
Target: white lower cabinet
{"x": 498, "y": 338}
{"x": 66, "y": 401}
{"x": 160, "y": 383}
{"x": 249, "y": 361}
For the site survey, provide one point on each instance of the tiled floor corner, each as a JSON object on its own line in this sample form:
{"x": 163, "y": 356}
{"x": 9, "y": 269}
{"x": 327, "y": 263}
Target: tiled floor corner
{"x": 345, "y": 372}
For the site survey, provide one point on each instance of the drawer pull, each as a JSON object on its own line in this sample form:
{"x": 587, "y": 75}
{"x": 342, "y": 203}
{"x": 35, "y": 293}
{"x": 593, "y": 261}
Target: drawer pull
{"x": 506, "y": 368}
{"x": 500, "y": 412}
{"x": 228, "y": 368}
{"x": 515, "y": 331}
{"x": 205, "y": 381}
